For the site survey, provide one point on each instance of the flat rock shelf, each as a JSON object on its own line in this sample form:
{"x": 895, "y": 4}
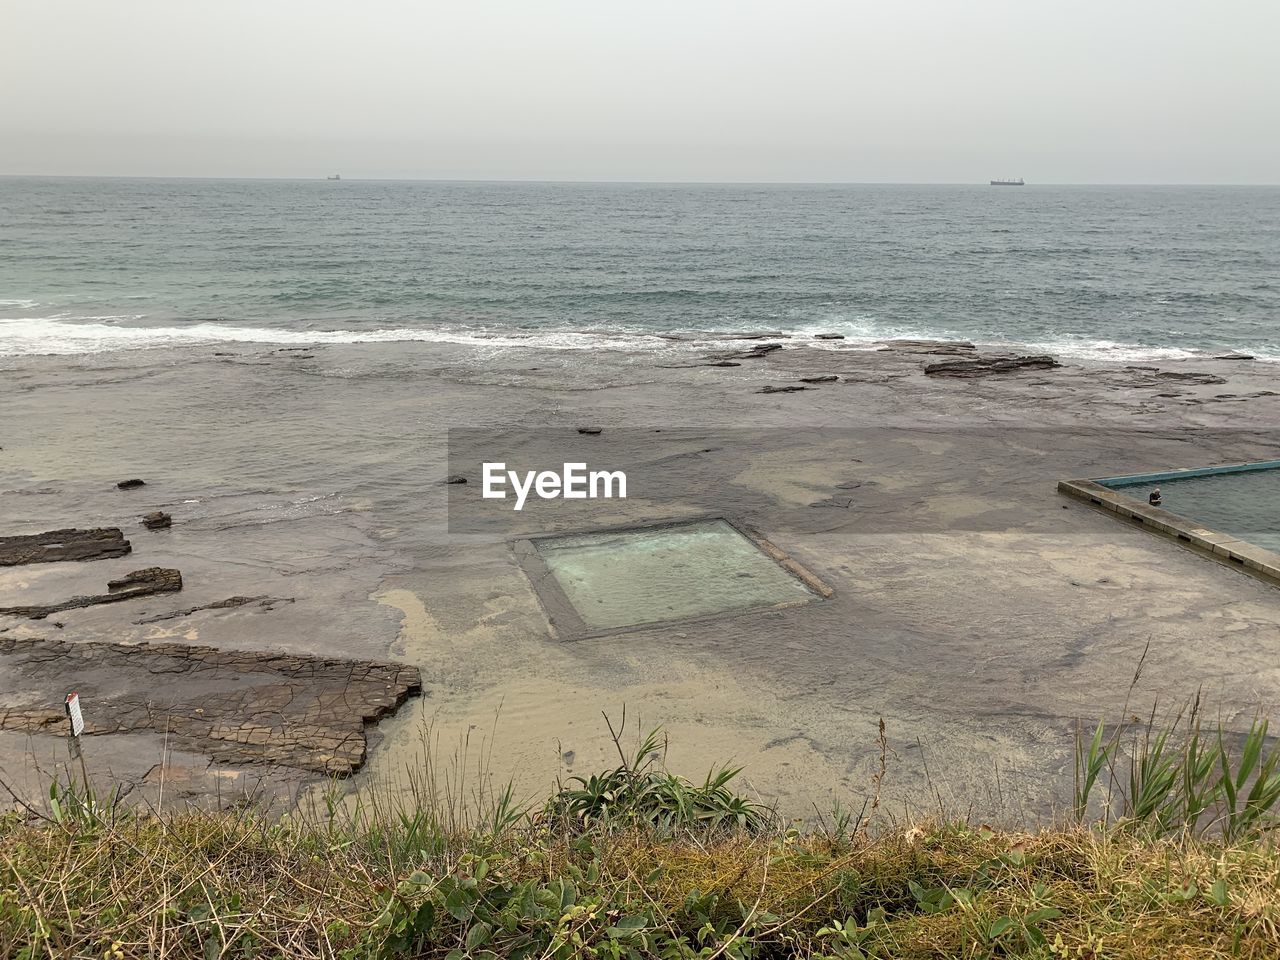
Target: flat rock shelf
{"x": 234, "y": 706}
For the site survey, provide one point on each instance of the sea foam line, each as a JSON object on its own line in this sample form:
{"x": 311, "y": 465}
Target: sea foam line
{"x": 64, "y": 336}
{"x": 50, "y": 336}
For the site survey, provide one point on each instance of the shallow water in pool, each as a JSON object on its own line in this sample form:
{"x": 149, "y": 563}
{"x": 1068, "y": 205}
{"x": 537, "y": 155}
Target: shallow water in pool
{"x": 1245, "y": 504}
{"x": 633, "y": 577}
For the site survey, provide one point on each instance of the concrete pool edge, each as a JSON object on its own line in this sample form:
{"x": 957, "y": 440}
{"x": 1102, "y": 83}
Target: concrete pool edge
{"x": 1223, "y": 547}
{"x": 564, "y": 621}
{"x": 1186, "y": 473}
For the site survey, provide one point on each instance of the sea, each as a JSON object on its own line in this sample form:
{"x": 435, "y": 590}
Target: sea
{"x": 1091, "y": 272}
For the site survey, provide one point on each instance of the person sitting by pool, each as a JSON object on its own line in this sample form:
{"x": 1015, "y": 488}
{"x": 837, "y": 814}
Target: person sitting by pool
{"x": 1154, "y": 499}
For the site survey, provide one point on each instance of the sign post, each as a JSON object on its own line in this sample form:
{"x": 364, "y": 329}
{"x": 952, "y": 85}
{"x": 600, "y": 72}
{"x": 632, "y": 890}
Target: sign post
{"x": 76, "y": 718}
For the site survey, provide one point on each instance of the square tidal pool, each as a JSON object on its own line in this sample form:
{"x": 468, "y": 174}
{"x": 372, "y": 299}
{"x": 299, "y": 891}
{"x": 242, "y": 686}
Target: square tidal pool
{"x": 610, "y": 581}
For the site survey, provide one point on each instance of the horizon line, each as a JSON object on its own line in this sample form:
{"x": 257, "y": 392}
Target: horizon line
{"x": 633, "y": 182}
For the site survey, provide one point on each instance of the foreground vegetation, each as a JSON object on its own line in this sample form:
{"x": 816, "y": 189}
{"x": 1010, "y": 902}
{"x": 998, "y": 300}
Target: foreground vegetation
{"x": 1174, "y": 860}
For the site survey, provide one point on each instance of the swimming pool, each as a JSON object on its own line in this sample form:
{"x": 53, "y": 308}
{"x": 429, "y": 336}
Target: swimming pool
{"x": 1230, "y": 511}
{"x": 1241, "y": 502}
{"x": 609, "y": 581}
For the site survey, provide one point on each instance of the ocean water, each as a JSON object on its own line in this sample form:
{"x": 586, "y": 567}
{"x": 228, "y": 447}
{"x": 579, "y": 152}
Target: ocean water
{"x": 1104, "y": 272}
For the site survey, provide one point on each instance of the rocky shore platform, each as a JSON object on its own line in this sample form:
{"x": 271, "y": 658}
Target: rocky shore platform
{"x": 981, "y": 615}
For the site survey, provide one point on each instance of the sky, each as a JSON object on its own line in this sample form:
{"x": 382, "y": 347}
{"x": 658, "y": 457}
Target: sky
{"x": 1123, "y": 91}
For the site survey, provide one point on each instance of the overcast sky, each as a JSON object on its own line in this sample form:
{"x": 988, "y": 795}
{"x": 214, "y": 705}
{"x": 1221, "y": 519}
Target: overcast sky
{"x": 1122, "y": 91}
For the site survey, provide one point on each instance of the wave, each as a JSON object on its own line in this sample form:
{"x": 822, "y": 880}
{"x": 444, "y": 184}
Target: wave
{"x": 868, "y": 334}
{"x": 62, "y": 336}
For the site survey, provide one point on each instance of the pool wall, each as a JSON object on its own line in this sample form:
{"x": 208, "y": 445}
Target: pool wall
{"x": 1227, "y": 548}
{"x": 1138, "y": 479}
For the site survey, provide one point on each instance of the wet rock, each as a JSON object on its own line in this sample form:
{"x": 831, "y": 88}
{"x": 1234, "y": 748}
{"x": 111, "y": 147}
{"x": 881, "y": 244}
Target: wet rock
{"x": 590, "y": 431}
{"x": 150, "y": 580}
{"x": 234, "y": 706}
{"x": 989, "y": 366}
{"x": 789, "y": 388}
{"x": 130, "y": 484}
{"x": 157, "y": 520}
{"x": 957, "y": 348}
{"x": 843, "y": 503}
{"x": 722, "y": 363}
{"x": 1235, "y": 356}
{"x": 1191, "y": 377}
{"x": 454, "y": 478}
{"x": 70, "y": 544}
{"x": 754, "y": 353}
{"x": 829, "y": 336}
{"x": 266, "y": 603}
{"x": 139, "y": 583}
{"x": 828, "y": 378}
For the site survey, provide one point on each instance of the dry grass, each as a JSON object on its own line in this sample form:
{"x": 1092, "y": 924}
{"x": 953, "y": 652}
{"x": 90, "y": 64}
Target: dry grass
{"x": 636, "y": 863}
{"x": 238, "y": 884}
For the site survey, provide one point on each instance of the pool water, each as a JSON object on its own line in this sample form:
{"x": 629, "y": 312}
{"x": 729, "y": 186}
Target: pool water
{"x": 1244, "y": 504}
{"x": 635, "y": 577}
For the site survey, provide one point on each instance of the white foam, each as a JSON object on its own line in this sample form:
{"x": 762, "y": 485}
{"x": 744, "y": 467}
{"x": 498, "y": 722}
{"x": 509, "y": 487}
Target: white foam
{"x": 61, "y": 336}
{"x": 866, "y": 334}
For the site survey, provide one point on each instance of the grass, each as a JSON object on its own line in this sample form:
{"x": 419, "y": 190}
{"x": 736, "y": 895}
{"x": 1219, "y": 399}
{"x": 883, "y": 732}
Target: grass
{"x": 637, "y": 862}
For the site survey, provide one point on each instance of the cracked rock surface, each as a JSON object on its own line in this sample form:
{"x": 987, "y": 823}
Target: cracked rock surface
{"x": 233, "y": 706}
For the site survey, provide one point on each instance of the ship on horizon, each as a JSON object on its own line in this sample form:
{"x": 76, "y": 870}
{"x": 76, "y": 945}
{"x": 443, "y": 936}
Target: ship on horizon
{"x": 339, "y": 177}
{"x": 1009, "y": 182}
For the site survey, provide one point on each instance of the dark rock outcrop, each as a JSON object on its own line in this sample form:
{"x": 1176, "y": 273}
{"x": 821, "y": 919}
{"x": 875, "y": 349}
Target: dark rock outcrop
{"x": 157, "y": 520}
{"x": 234, "y": 706}
{"x": 829, "y": 336}
{"x": 590, "y": 431}
{"x": 989, "y": 366}
{"x": 789, "y": 388}
{"x": 139, "y": 583}
{"x": 265, "y": 602}
{"x": 752, "y": 353}
{"x": 130, "y": 484}
{"x": 1190, "y": 376}
{"x": 70, "y": 544}
{"x": 826, "y": 378}
{"x": 952, "y": 348}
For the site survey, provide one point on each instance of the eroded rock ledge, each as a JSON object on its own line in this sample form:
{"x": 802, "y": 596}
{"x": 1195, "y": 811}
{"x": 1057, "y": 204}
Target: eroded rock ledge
{"x": 989, "y": 366}
{"x": 69, "y": 544}
{"x": 138, "y": 583}
{"x": 234, "y": 706}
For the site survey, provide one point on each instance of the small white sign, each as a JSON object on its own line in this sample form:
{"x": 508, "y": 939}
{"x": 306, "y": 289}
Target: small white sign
{"x": 73, "y": 711}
